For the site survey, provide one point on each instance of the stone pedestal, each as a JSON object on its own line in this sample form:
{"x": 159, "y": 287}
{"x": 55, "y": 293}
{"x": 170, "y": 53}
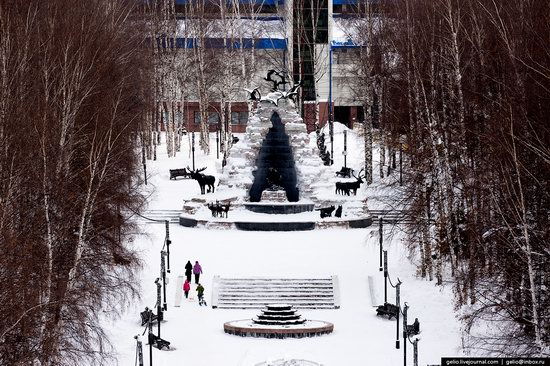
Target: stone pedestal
{"x": 273, "y": 196}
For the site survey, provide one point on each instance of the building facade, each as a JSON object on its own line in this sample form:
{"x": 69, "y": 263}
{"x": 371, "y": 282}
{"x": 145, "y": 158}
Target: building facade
{"x": 218, "y": 52}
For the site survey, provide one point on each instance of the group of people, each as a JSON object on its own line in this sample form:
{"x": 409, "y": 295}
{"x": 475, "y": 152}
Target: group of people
{"x": 196, "y": 270}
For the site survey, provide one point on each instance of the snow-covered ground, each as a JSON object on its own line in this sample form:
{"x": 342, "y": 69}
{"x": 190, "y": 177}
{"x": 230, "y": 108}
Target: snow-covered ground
{"x": 359, "y": 337}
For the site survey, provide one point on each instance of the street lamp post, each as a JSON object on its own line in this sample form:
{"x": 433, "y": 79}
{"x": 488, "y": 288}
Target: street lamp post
{"x": 330, "y": 111}
{"x": 415, "y": 352}
{"x": 380, "y": 238}
{"x": 151, "y": 339}
{"x": 217, "y": 142}
{"x": 345, "y": 148}
{"x": 397, "y": 303}
{"x": 163, "y": 275}
{"x": 193, "y": 148}
{"x": 405, "y": 308}
{"x": 386, "y": 276}
{"x": 139, "y": 350}
{"x": 159, "y": 307}
{"x": 168, "y": 242}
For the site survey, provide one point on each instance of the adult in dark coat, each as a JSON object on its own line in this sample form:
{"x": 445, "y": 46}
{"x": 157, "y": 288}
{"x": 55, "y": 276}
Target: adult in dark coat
{"x": 188, "y": 270}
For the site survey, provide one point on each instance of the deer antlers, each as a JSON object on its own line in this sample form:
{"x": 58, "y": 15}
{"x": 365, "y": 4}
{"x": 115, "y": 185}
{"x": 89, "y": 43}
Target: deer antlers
{"x": 195, "y": 171}
{"x": 359, "y": 177}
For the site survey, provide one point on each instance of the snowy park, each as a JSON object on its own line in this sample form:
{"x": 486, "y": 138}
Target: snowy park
{"x": 274, "y": 183}
{"x": 196, "y": 333}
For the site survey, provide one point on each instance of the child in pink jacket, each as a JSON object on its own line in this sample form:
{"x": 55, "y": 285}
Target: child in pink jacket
{"x": 186, "y": 288}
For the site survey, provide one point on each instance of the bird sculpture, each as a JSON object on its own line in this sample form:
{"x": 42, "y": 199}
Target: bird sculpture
{"x": 273, "y": 98}
{"x": 276, "y": 82}
{"x": 293, "y": 92}
{"x": 254, "y": 94}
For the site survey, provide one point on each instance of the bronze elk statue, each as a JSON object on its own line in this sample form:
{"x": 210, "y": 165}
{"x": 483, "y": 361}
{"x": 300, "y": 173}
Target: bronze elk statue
{"x": 347, "y": 187}
{"x": 219, "y": 209}
{"x": 204, "y": 180}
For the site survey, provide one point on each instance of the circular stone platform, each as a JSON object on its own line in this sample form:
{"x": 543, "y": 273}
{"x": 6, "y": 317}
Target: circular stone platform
{"x": 278, "y": 321}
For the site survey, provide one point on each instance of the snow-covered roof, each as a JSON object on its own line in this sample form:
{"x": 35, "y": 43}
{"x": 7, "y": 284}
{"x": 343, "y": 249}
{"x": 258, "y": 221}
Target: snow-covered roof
{"x": 352, "y": 31}
{"x": 233, "y": 28}
{"x": 258, "y": 2}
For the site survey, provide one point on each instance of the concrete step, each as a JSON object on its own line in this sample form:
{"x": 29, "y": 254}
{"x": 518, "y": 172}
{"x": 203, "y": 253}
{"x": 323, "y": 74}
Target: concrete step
{"x": 327, "y": 290}
{"x": 256, "y": 292}
{"x": 159, "y": 216}
{"x": 284, "y": 298}
{"x": 264, "y": 304}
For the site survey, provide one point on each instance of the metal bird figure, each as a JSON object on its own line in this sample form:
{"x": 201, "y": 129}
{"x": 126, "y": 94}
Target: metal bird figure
{"x": 275, "y": 82}
{"x": 254, "y": 94}
{"x": 292, "y": 93}
{"x": 274, "y": 101}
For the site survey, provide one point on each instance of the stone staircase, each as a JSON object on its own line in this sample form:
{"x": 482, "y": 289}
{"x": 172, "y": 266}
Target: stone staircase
{"x": 257, "y": 292}
{"x": 159, "y": 216}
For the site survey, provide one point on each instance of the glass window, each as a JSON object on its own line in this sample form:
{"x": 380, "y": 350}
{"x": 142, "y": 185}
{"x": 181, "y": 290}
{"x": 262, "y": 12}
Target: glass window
{"x": 213, "y": 118}
{"x": 239, "y": 118}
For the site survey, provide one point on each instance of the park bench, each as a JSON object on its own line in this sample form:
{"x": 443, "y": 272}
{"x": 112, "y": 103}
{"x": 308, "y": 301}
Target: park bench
{"x": 174, "y": 173}
{"x": 158, "y": 342}
{"x": 146, "y": 314}
{"x": 388, "y": 309}
{"x": 345, "y": 172}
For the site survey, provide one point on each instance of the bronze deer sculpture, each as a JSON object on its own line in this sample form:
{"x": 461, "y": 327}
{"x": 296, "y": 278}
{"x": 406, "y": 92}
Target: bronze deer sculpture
{"x": 346, "y": 187}
{"x": 204, "y": 180}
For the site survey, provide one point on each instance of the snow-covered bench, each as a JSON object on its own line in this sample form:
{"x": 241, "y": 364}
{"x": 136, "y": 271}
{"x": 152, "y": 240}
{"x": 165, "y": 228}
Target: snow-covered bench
{"x": 146, "y": 315}
{"x": 345, "y": 172}
{"x": 388, "y": 309}
{"x": 174, "y": 173}
{"x": 158, "y": 342}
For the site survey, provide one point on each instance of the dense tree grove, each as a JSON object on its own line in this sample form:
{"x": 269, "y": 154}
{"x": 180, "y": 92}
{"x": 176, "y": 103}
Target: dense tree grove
{"x": 73, "y": 92}
{"x": 467, "y": 93}
{"x": 462, "y": 87}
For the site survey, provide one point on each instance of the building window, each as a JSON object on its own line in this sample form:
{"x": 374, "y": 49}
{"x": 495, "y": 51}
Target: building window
{"x": 239, "y": 118}
{"x": 213, "y": 118}
{"x": 345, "y": 56}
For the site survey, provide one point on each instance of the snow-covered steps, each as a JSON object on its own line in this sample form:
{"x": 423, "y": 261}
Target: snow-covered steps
{"x": 391, "y": 216}
{"x": 257, "y": 292}
{"x": 159, "y": 216}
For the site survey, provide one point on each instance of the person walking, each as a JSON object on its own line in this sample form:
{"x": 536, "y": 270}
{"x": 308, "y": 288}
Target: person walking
{"x": 200, "y": 293}
{"x": 197, "y": 270}
{"x": 186, "y": 288}
{"x": 188, "y": 270}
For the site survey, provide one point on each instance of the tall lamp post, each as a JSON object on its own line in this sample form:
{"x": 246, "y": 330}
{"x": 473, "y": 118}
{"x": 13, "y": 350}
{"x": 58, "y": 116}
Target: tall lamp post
{"x": 330, "y": 112}
{"x": 151, "y": 340}
{"x": 385, "y": 276}
{"x": 397, "y": 303}
{"x": 405, "y": 335}
{"x": 345, "y": 152}
{"x": 139, "y": 351}
{"x": 163, "y": 276}
{"x": 380, "y": 237}
{"x": 167, "y": 242}
{"x": 193, "y": 148}
{"x": 159, "y": 307}
{"x": 217, "y": 142}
